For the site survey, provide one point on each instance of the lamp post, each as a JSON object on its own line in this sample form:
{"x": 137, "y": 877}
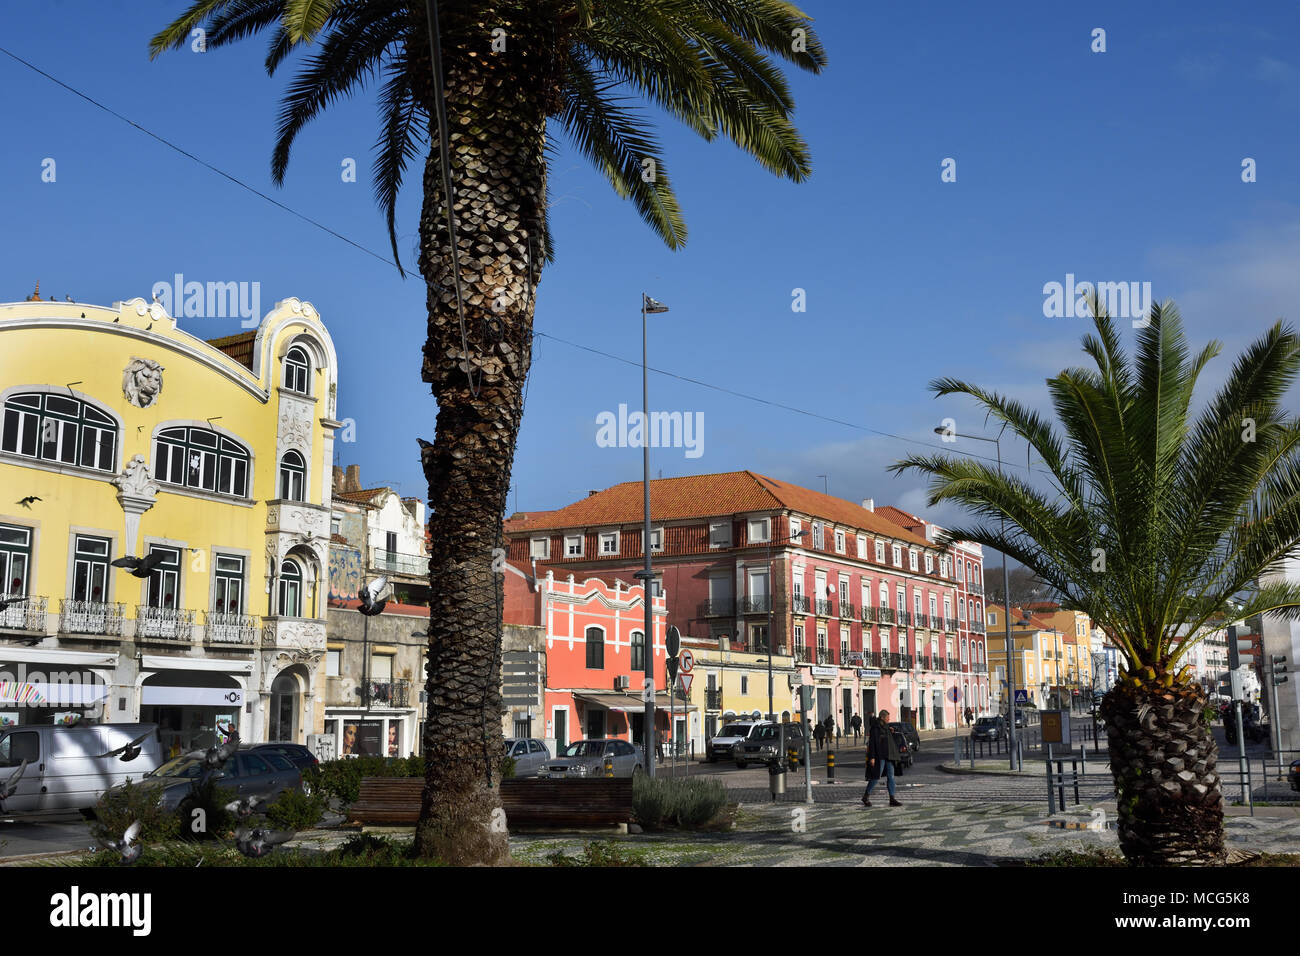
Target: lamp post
{"x": 1006, "y": 594}
{"x": 648, "y": 306}
{"x": 771, "y": 592}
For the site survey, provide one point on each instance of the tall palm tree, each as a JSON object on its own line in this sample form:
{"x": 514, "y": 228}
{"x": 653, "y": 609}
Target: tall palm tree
{"x": 511, "y": 73}
{"x": 1155, "y": 520}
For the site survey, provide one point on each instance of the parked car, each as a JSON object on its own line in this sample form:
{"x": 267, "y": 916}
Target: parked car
{"x": 297, "y": 754}
{"x": 723, "y": 745}
{"x": 1020, "y": 718}
{"x": 70, "y": 767}
{"x": 909, "y": 732}
{"x": 989, "y": 728}
{"x": 1293, "y": 775}
{"x": 904, "y": 751}
{"x": 586, "y": 758}
{"x": 765, "y": 742}
{"x": 529, "y": 754}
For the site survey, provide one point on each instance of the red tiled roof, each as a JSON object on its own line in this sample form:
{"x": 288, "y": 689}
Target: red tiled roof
{"x": 899, "y": 516}
{"x": 707, "y": 496}
{"x": 521, "y": 519}
{"x": 239, "y": 347}
{"x": 364, "y": 497}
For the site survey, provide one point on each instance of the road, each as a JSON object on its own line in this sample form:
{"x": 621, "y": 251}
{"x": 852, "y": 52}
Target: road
{"x": 19, "y": 837}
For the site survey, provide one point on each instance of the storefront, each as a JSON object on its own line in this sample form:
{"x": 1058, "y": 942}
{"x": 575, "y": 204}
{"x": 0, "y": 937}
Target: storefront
{"x": 54, "y": 687}
{"x": 373, "y": 734}
{"x": 195, "y": 704}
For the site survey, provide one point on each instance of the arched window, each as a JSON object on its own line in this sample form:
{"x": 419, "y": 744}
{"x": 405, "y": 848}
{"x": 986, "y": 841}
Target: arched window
{"x": 290, "y": 589}
{"x": 595, "y": 648}
{"x": 638, "y": 651}
{"x": 198, "y": 458}
{"x": 57, "y": 428}
{"x": 293, "y": 475}
{"x": 297, "y": 370}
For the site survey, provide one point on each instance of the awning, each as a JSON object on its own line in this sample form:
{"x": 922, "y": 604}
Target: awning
{"x": 632, "y": 703}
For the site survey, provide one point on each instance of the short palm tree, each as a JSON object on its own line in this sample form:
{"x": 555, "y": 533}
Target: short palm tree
{"x": 513, "y": 72}
{"x": 1155, "y": 521}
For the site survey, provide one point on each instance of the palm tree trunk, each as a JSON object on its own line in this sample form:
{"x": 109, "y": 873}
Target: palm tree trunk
{"x": 1163, "y": 756}
{"x": 497, "y": 138}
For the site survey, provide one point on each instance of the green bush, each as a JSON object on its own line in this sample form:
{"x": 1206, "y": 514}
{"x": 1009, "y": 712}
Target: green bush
{"x": 661, "y": 803}
{"x": 341, "y": 779}
{"x": 118, "y": 808}
{"x": 215, "y": 822}
{"x": 605, "y": 853}
{"x": 294, "y": 810}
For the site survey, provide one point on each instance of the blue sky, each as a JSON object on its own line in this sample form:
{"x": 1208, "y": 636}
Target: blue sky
{"x": 1115, "y": 166}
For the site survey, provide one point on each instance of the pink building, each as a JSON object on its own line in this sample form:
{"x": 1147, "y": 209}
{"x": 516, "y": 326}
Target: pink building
{"x": 873, "y": 611}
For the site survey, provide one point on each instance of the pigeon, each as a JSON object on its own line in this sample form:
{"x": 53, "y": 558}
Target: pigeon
{"x": 155, "y": 298}
{"x": 257, "y": 842}
{"x": 129, "y": 846}
{"x": 130, "y": 750}
{"x": 215, "y": 757}
{"x": 246, "y": 808}
{"x": 27, "y": 502}
{"x": 149, "y": 328}
{"x": 67, "y": 298}
{"x": 5, "y": 602}
{"x": 10, "y": 786}
{"x": 141, "y": 567}
{"x": 374, "y": 596}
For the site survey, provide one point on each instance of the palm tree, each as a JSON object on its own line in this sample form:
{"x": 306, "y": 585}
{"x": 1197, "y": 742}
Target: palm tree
{"x": 505, "y": 71}
{"x": 1155, "y": 520}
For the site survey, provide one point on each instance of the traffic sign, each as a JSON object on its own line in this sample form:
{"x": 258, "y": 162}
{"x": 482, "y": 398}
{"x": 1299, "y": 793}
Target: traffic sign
{"x": 685, "y": 678}
{"x": 671, "y": 664}
{"x": 954, "y": 694}
{"x": 673, "y": 641}
{"x": 1022, "y": 697}
{"x": 686, "y": 661}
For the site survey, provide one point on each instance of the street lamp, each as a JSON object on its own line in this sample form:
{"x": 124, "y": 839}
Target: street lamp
{"x": 1006, "y": 594}
{"x": 651, "y": 307}
{"x": 771, "y": 590}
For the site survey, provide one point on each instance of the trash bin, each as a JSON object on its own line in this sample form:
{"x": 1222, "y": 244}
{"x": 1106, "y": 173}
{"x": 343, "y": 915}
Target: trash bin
{"x": 776, "y": 778}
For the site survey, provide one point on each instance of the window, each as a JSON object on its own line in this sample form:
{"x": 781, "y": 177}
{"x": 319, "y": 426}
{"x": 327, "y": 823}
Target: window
{"x": 866, "y": 593}
{"x": 336, "y": 524}
{"x": 992, "y": 616}
{"x": 228, "y": 596}
{"x": 916, "y": 603}
{"x": 798, "y": 584}
{"x": 198, "y": 458}
{"x": 333, "y": 662}
{"x": 90, "y": 569}
{"x": 961, "y": 609}
{"x": 293, "y": 475}
{"x": 819, "y": 539}
{"x": 296, "y": 368}
{"x": 759, "y": 530}
{"x": 839, "y": 542}
{"x": 880, "y": 551}
{"x": 897, "y": 556}
{"x": 976, "y": 571}
{"x": 929, "y": 563}
{"x": 609, "y": 543}
{"x": 798, "y": 636}
{"x": 844, "y": 644}
{"x": 902, "y": 600}
{"x": 720, "y": 534}
{"x": 290, "y": 604}
{"x": 934, "y": 606}
{"x": 638, "y": 651}
{"x": 862, "y": 546}
{"x": 911, "y": 559}
{"x": 844, "y": 590}
{"x": 943, "y": 566}
{"x": 381, "y": 668}
{"x": 15, "y": 559}
{"x": 539, "y": 548}
{"x": 744, "y": 684}
{"x": 595, "y": 648}
{"x": 164, "y": 580}
{"x": 884, "y": 594}
{"x": 573, "y": 545}
{"x": 758, "y": 638}
{"x": 656, "y": 539}
{"x": 57, "y": 428}
{"x": 822, "y": 646}
{"x": 963, "y": 650}
{"x": 795, "y": 527}
{"x": 947, "y": 609}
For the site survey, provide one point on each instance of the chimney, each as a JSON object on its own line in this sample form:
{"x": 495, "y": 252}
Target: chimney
{"x": 592, "y": 492}
{"x": 337, "y": 486}
{"x": 353, "y": 481}
{"x": 869, "y": 504}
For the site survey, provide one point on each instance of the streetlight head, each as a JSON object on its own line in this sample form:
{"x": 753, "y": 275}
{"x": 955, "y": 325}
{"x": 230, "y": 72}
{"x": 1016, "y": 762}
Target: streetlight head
{"x": 651, "y": 306}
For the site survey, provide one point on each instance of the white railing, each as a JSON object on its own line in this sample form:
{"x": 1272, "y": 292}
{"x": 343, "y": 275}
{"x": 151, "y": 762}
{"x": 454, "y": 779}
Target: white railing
{"x": 27, "y": 614}
{"x": 164, "y": 623}
{"x": 221, "y": 627}
{"x": 90, "y": 617}
{"x": 381, "y": 559}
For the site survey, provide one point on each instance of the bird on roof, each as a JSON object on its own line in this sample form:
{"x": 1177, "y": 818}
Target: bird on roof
{"x": 67, "y": 298}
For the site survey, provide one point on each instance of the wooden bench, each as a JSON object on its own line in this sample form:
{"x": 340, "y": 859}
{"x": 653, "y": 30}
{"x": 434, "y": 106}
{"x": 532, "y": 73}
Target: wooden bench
{"x": 528, "y": 802}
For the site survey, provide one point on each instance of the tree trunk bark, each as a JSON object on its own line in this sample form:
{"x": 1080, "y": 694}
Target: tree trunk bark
{"x": 497, "y": 136}
{"x": 1163, "y": 756}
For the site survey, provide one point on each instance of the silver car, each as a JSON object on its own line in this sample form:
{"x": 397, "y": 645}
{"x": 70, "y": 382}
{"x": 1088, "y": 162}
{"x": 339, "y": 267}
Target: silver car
{"x": 586, "y": 758}
{"x": 529, "y": 754}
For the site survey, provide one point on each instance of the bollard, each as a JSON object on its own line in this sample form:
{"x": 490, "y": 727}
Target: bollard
{"x": 830, "y": 766}
{"x": 776, "y": 779}
{"x": 609, "y": 766}
{"x": 793, "y": 754}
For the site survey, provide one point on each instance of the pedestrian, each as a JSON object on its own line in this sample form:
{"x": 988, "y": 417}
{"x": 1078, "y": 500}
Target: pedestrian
{"x": 819, "y": 731}
{"x": 830, "y": 731}
{"x": 969, "y": 714}
{"x": 882, "y": 751}
{"x": 856, "y": 723}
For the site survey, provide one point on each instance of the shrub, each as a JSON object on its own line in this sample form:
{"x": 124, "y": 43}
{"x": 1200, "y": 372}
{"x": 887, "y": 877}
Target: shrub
{"x": 604, "y": 853}
{"x": 215, "y": 821}
{"x": 665, "y": 802}
{"x": 294, "y": 810}
{"x": 341, "y": 779}
{"x": 118, "y": 808}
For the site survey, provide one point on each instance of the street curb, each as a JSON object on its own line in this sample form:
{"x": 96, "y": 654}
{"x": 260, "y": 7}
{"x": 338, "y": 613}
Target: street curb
{"x": 36, "y": 857}
{"x": 967, "y": 771}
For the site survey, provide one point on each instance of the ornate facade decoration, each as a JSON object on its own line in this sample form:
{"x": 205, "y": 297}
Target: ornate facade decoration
{"x": 136, "y": 493}
{"x": 142, "y": 382}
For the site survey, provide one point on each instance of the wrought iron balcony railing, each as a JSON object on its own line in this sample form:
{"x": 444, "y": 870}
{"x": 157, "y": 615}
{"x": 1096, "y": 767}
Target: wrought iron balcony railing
{"x": 802, "y": 655}
{"x": 90, "y": 617}
{"x": 868, "y": 614}
{"x": 826, "y": 655}
{"x": 923, "y": 662}
{"x": 886, "y": 615}
{"x": 717, "y": 607}
{"x": 950, "y": 624}
{"x": 848, "y": 610}
{"x": 223, "y": 627}
{"x": 904, "y": 619}
{"x": 905, "y": 661}
{"x": 977, "y": 627}
{"x": 755, "y": 605}
{"x": 941, "y": 663}
{"x": 799, "y": 604}
{"x": 395, "y": 562}
{"x": 825, "y": 608}
{"x": 977, "y": 588}
{"x": 27, "y": 613}
{"x": 164, "y": 623}
{"x": 390, "y": 693}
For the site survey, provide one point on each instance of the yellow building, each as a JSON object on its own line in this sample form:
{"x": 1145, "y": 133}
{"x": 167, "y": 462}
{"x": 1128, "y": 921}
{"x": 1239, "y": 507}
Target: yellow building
{"x": 1052, "y": 652}
{"x": 125, "y": 436}
{"x": 731, "y": 685}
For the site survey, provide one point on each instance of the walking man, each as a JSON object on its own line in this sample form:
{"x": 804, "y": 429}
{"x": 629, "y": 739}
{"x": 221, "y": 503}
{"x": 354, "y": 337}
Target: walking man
{"x": 882, "y": 751}
{"x": 819, "y": 731}
{"x": 969, "y": 714}
{"x": 856, "y": 724}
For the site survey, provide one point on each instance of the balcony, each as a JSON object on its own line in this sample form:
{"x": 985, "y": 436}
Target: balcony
{"x": 713, "y": 699}
{"x": 886, "y": 615}
{"x": 868, "y": 614}
{"x": 904, "y": 619}
{"x": 755, "y": 605}
{"x": 799, "y": 604}
{"x": 905, "y": 661}
{"x": 827, "y": 655}
{"x": 295, "y": 634}
{"x": 848, "y": 611}
{"x": 174, "y": 625}
{"x": 950, "y": 624}
{"x": 825, "y": 608}
{"x": 802, "y": 654}
{"x": 719, "y": 607}
{"x": 26, "y": 615}
{"x": 90, "y": 617}
{"x": 977, "y": 627}
{"x": 941, "y": 663}
{"x": 298, "y": 518}
{"x": 395, "y": 562}
{"x": 976, "y": 588}
{"x": 220, "y": 627}
{"x": 390, "y": 693}
{"x": 923, "y": 662}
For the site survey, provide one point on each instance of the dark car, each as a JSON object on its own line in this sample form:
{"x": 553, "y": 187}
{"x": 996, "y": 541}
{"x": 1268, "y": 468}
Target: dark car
{"x": 1020, "y": 717}
{"x": 989, "y": 728}
{"x": 1293, "y": 775}
{"x": 908, "y": 732}
{"x": 296, "y": 754}
{"x": 905, "y": 758}
{"x": 763, "y": 744}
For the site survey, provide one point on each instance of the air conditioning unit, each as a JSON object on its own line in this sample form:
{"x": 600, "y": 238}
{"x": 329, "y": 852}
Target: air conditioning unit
{"x": 621, "y": 682}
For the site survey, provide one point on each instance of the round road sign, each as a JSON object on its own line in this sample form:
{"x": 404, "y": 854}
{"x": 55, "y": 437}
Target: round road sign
{"x": 954, "y": 694}
{"x": 686, "y": 661}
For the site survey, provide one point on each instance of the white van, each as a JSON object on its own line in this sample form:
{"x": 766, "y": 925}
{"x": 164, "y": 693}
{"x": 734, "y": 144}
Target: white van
{"x": 66, "y": 766}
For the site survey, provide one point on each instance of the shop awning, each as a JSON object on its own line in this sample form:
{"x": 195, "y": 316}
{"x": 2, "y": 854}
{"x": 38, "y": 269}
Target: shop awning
{"x": 631, "y": 703}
